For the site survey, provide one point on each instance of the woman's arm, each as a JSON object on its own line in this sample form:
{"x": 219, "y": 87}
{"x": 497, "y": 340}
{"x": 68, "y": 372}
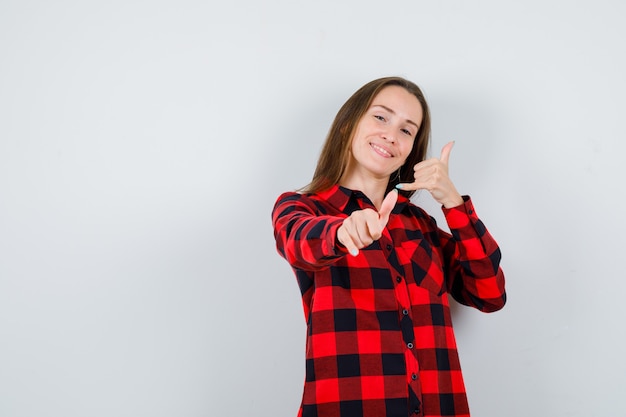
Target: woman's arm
{"x": 304, "y": 237}
{"x": 472, "y": 260}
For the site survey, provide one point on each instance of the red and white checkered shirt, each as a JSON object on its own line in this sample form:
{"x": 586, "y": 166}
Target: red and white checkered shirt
{"x": 379, "y": 333}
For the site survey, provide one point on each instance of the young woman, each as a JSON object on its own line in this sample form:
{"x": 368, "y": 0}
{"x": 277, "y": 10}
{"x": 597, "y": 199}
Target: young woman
{"x": 375, "y": 271}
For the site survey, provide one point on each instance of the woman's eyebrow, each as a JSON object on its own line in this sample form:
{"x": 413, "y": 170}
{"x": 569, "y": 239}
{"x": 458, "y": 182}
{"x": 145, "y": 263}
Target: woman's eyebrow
{"x": 393, "y": 112}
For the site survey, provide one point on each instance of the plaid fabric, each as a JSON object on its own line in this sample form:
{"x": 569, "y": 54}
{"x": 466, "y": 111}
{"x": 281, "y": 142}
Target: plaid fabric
{"x": 379, "y": 333}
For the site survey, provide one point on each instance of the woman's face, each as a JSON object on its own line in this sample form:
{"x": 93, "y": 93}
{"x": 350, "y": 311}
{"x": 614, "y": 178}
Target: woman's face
{"x": 384, "y": 136}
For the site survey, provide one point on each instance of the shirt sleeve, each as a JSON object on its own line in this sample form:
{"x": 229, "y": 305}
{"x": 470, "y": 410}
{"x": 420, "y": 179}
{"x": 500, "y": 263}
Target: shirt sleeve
{"x": 472, "y": 257}
{"x": 304, "y": 237}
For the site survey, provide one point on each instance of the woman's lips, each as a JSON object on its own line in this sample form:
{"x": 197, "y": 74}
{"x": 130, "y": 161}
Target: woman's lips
{"x": 381, "y": 151}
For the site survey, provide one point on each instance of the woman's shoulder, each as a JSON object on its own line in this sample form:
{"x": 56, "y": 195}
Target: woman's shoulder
{"x": 315, "y": 203}
{"x": 421, "y": 215}
{"x": 416, "y": 210}
{"x": 295, "y": 198}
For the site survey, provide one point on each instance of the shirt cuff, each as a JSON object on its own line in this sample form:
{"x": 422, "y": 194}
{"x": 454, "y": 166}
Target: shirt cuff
{"x": 334, "y": 247}
{"x": 462, "y": 215}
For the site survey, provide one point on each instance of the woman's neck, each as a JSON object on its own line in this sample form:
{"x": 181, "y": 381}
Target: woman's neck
{"x": 373, "y": 188}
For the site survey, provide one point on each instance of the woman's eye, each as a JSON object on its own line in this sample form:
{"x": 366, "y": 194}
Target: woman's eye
{"x": 381, "y": 118}
{"x": 407, "y": 132}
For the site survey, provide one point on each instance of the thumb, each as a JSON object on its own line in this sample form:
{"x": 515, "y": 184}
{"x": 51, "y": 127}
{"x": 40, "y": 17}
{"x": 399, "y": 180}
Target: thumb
{"x": 387, "y": 206}
{"x": 445, "y": 152}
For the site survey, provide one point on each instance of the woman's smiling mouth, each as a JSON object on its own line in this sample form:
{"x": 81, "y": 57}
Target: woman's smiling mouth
{"x": 381, "y": 151}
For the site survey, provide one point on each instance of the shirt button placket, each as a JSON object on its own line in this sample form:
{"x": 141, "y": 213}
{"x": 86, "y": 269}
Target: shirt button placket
{"x": 405, "y": 312}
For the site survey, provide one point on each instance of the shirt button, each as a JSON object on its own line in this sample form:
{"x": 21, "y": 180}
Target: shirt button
{"x": 414, "y": 377}
{"x": 417, "y": 410}
{"x": 389, "y": 247}
{"x": 409, "y": 345}
{"x": 405, "y": 312}
{"x": 398, "y": 279}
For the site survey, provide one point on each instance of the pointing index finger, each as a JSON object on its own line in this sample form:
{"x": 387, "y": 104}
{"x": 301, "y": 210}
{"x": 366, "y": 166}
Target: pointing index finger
{"x": 408, "y": 186}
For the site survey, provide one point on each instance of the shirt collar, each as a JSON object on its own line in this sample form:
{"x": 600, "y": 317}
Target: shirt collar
{"x": 339, "y": 197}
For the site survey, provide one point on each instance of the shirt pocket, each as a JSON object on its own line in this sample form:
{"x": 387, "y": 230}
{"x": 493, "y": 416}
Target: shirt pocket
{"x": 422, "y": 264}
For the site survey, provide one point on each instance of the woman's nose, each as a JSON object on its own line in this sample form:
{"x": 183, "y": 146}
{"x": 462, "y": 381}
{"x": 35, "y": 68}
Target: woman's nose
{"x": 389, "y": 135}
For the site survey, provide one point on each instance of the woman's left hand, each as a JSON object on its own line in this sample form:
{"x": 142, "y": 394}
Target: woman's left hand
{"x": 432, "y": 175}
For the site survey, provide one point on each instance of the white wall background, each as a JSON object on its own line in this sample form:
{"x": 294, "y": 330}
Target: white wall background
{"x": 143, "y": 144}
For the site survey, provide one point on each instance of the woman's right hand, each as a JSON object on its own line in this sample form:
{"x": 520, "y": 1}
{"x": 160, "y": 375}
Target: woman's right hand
{"x": 365, "y": 226}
